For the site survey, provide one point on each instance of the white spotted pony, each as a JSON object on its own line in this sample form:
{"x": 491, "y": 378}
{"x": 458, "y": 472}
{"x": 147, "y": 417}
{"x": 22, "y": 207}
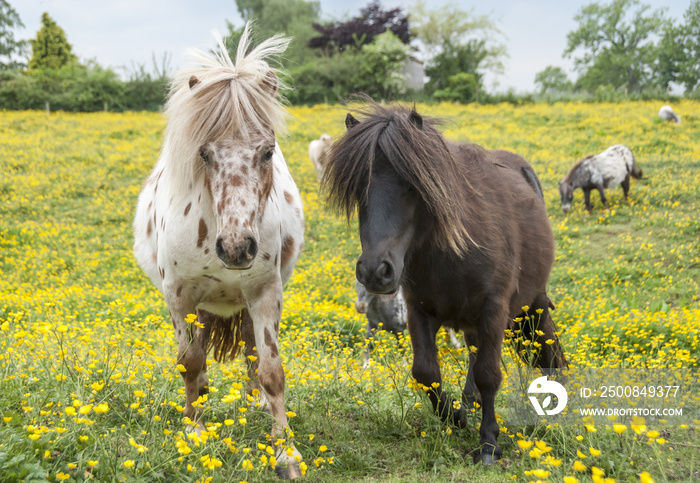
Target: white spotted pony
{"x": 318, "y": 154}
{"x": 219, "y": 223}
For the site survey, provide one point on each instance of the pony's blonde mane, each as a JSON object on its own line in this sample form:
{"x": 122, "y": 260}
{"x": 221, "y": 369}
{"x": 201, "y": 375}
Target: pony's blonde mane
{"x": 215, "y": 98}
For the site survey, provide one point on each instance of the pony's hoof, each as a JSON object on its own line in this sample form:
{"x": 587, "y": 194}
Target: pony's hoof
{"x": 288, "y": 472}
{"x": 487, "y": 458}
{"x": 194, "y": 428}
{"x": 460, "y": 418}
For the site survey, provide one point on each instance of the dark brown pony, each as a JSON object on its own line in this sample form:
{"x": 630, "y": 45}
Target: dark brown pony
{"x": 463, "y": 230}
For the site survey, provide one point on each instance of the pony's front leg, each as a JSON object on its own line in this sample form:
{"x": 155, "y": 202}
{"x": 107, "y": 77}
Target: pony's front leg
{"x": 587, "y": 199}
{"x": 603, "y": 198}
{"x": 265, "y": 309}
{"x": 251, "y": 359}
{"x": 191, "y": 354}
{"x": 487, "y": 377}
{"x": 426, "y": 370}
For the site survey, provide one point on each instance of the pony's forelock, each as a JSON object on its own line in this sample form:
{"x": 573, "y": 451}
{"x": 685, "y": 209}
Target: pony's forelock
{"x": 419, "y": 155}
{"x": 217, "y": 97}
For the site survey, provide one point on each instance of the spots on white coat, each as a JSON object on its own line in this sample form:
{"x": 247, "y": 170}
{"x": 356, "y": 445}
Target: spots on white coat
{"x": 287, "y": 249}
{"x": 202, "y": 233}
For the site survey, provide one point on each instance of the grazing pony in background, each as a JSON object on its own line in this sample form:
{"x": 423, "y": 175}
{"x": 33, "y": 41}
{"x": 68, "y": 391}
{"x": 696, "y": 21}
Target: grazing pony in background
{"x": 318, "y": 153}
{"x": 461, "y": 230}
{"x": 387, "y": 310}
{"x": 219, "y": 223}
{"x": 666, "y": 113}
{"x": 613, "y": 166}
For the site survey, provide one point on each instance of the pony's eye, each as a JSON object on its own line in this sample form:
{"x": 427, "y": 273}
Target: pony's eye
{"x": 204, "y": 155}
{"x": 268, "y": 155}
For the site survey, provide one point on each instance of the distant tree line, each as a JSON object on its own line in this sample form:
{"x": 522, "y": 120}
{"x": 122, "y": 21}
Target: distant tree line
{"x": 621, "y": 49}
{"x": 624, "y": 49}
{"x": 54, "y": 78}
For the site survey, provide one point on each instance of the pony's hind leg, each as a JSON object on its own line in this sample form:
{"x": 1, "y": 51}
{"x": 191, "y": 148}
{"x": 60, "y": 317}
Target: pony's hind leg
{"x": 536, "y": 325}
{"x": 471, "y": 397}
{"x": 626, "y": 186}
{"x": 426, "y": 370}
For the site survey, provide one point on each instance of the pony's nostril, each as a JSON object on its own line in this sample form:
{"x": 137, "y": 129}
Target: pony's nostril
{"x": 251, "y": 248}
{"x": 385, "y": 272}
{"x": 220, "y": 251}
{"x": 360, "y": 273}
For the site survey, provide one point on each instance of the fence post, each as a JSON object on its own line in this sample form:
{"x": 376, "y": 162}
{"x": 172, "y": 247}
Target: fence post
{"x": 48, "y": 108}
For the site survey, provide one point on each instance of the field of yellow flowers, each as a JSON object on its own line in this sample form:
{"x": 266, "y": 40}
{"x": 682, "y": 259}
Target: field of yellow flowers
{"x": 88, "y": 384}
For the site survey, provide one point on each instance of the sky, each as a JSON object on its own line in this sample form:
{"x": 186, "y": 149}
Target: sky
{"x": 123, "y": 34}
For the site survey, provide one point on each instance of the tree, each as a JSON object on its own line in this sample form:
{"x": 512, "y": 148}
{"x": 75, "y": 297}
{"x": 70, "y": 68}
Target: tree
{"x": 9, "y": 47}
{"x": 50, "y": 49}
{"x": 453, "y": 60}
{"x": 375, "y": 69}
{"x": 382, "y": 67}
{"x": 291, "y": 17}
{"x": 669, "y": 56}
{"x": 614, "y": 44}
{"x": 689, "y": 42}
{"x": 456, "y": 41}
{"x": 460, "y": 87}
{"x": 552, "y": 79}
{"x": 361, "y": 30}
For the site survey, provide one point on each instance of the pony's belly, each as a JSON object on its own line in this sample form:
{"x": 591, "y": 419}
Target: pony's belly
{"x": 223, "y": 308}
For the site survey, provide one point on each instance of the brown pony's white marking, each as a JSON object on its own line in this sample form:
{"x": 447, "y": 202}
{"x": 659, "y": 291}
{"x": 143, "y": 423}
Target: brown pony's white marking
{"x": 219, "y": 203}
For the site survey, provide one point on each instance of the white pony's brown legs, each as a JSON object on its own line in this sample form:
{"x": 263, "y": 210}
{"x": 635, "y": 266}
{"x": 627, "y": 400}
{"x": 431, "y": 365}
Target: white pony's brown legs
{"x": 265, "y": 311}
{"x": 192, "y": 356}
{"x": 251, "y": 359}
{"x": 204, "y": 337}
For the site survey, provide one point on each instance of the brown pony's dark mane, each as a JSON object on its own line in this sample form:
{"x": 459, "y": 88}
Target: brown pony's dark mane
{"x": 418, "y": 153}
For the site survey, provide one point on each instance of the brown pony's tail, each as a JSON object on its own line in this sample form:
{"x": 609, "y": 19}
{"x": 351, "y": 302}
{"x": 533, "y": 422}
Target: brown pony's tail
{"x": 225, "y": 336}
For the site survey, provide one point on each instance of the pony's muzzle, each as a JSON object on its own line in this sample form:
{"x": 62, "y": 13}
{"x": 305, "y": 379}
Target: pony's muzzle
{"x": 361, "y": 307}
{"x": 380, "y": 279}
{"x": 237, "y": 256}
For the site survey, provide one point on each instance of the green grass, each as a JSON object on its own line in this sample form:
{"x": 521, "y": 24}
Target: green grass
{"x": 81, "y": 326}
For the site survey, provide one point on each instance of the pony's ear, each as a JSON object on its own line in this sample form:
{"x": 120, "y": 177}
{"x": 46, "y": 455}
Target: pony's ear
{"x": 350, "y": 121}
{"x": 271, "y": 82}
{"x": 193, "y": 81}
{"x": 416, "y": 119}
